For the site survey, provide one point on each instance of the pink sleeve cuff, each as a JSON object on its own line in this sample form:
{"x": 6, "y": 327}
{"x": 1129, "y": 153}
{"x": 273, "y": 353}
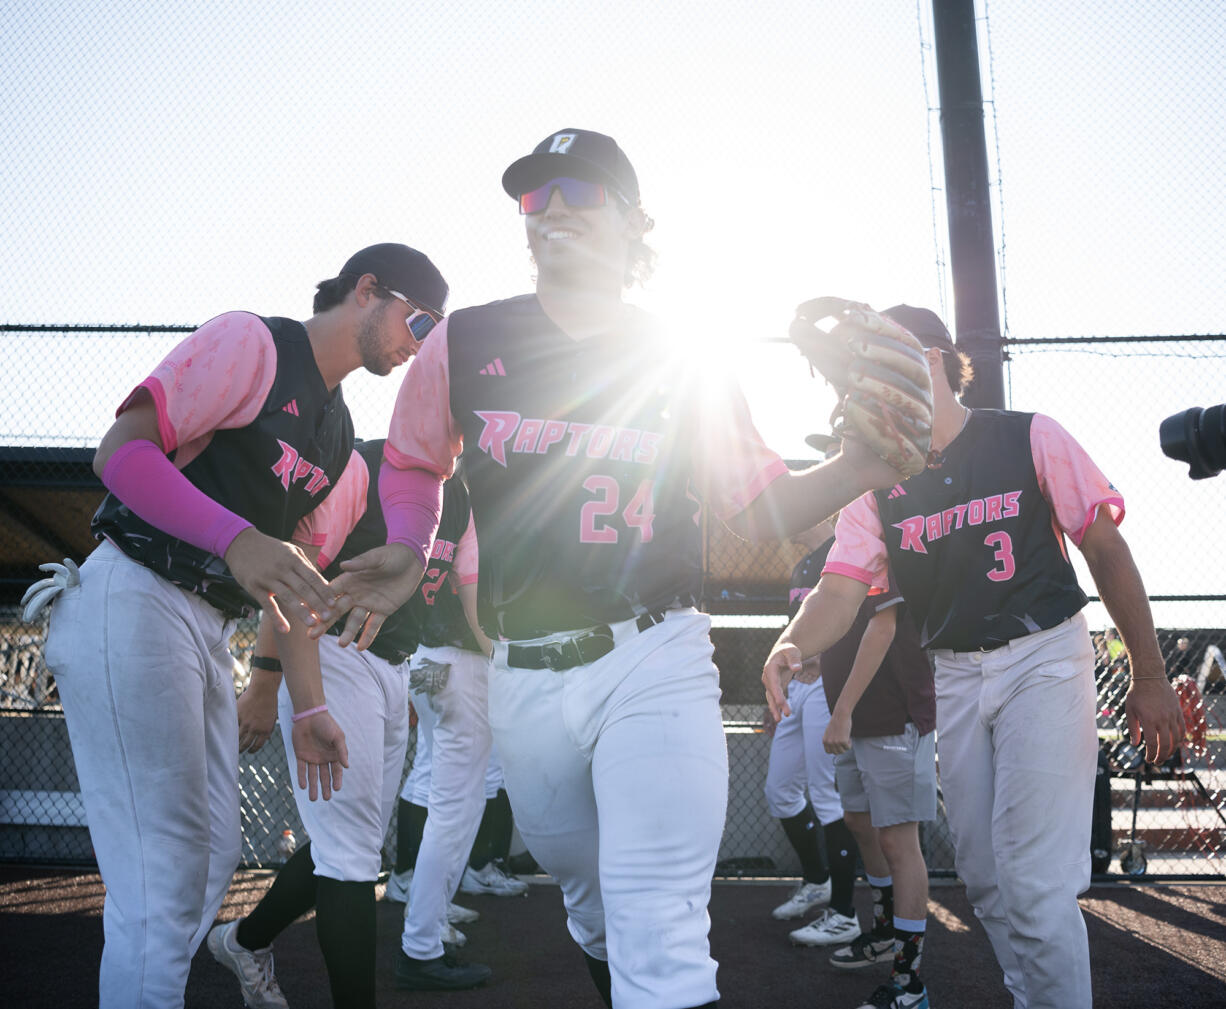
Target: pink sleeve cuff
{"x": 1116, "y": 506}
{"x": 412, "y": 501}
{"x": 140, "y": 475}
{"x": 851, "y": 571}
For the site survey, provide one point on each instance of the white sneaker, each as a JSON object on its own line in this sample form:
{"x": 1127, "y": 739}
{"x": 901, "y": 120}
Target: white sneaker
{"x": 491, "y": 879}
{"x": 461, "y": 915}
{"x": 804, "y": 899}
{"x": 830, "y": 929}
{"x": 253, "y": 968}
{"x": 452, "y": 936}
{"x": 397, "y": 888}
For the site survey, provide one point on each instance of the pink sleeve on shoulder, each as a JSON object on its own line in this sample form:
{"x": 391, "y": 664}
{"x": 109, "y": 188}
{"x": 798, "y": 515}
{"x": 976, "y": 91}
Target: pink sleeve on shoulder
{"x": 329, "y": 525}
{"x": 218, "y": 377}
{"x": 423, "y": 434}
{"x": 735, "y": 465}
{"x": 465, "y": 566}
{"x": 1070, "y": 481}
{"x": 859, "y": 545}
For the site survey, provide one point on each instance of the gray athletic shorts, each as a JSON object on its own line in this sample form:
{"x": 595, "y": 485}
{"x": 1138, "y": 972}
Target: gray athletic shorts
{"x": 893, "y": 778}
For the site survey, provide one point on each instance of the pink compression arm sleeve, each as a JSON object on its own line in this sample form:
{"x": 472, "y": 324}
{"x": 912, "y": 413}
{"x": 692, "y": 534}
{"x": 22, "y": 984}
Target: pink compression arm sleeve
{"x": 412, "y": 501}
{"x": 140, "y": 475}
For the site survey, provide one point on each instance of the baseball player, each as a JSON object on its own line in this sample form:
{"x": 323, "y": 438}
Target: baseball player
{"x": 587, "y": 448}
{"x": 879, "y": 685}
{"x": 800, "y": 789}
{"x": 335, "y": 872}
{"x": 228, "y": 449}
{"x": 976, "y": 545}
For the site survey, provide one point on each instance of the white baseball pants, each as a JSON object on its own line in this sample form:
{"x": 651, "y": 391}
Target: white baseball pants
{"x": 1018, "y": 753}
{"x": 617, "y": 773}
{"x": 368, "y": 698}
{"x": 798, "y": 760}
{"x": 456, "y": 719}
{"x": 147, "y": 683}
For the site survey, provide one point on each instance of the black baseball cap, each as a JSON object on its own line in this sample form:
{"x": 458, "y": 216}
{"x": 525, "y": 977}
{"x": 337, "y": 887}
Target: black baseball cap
{"x": 824, "y": 443}
{"x": 578, "y": 153}
{"x": 407, "y": 271}
{"x": 922, "y": 323}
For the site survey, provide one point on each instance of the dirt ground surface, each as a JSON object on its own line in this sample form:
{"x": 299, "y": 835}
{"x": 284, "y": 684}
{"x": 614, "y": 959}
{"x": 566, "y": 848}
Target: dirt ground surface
{"x": 1152, "y": 946}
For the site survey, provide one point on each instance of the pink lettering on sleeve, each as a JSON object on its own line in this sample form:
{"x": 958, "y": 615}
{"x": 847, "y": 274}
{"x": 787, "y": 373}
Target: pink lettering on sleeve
{"x": 1070, "y": 481}
{"x": 219, "y": 377}
{"x": 329, "y": 525}
{"x": 859, "y": 550}
{"x": 423, "y": 434}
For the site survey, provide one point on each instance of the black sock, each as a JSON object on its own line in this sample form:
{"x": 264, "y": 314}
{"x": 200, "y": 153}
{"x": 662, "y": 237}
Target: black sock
{"x": 345, "y": 924}
{"x": 599, "y": 969}
{"x": 883, "y": 908}
{"x": 908, "y": 951}
{"x": 483, "y": 843}
{"x": 500, "y": 826}
{"x": 841, "y": 851}
{"x": 801, "y": 831}
{"x": 410, "y": 825}
{"x": 291, "y": 895}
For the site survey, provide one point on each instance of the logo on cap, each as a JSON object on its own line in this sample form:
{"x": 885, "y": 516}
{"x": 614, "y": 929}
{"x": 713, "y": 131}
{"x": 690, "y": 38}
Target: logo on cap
{"x": 561, "y": 143}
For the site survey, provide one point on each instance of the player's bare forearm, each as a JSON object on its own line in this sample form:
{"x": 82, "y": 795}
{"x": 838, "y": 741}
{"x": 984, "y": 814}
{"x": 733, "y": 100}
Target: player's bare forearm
{"x": 1152, "y": 705}
{"x": 825, "y": 616}
{"x": 797, "y": 501}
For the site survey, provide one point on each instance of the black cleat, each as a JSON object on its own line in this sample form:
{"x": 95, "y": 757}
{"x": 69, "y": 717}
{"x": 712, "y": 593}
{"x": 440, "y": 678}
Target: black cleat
{"x": 443, "y": 973}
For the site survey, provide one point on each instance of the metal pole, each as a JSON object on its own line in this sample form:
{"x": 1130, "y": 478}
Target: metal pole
{"x": 967, "y": 199}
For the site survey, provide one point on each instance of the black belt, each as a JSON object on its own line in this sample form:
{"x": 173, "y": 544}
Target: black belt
{"x": 389, "y": 653}
{"x": 579, "y": 650}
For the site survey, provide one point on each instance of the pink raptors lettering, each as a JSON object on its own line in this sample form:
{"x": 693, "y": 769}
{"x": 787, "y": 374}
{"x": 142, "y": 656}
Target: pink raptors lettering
{"x": 920, "y": 528}
{"x": 292, "y": 468}
{"x": 506, "y": 431}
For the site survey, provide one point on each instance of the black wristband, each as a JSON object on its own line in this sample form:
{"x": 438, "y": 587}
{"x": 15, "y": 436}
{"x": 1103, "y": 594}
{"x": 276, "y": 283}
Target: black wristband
{"x": 264, "y": 662}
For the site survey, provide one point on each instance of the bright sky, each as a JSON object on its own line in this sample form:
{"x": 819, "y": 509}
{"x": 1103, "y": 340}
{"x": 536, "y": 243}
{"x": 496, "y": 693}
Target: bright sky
{"x": 168, "y": 161}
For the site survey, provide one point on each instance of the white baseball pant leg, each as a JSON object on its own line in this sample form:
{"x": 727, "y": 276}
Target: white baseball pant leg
{"x": 1018, "y": 754}
{"x": 617, "y": 773}
{"x": 368, "y": 698}
{"x": 146, "y": 680}
{"x": 459, "y": 757}
{"x": 798, "y": 760}
{"x": 417, "y": 782}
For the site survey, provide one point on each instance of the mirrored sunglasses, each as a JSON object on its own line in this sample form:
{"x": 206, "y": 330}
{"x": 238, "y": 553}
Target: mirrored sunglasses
{"x": 575, "y": 192}
{"x": 420, "y": 321}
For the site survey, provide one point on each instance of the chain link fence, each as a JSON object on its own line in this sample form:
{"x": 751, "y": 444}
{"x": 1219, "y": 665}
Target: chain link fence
{"x": 1164, "y": 822}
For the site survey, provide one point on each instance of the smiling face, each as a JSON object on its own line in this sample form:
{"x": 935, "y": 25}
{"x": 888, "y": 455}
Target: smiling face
{"x": 580, "y": 246}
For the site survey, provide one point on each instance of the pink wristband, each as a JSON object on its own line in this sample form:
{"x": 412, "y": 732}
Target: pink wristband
{"x": 300, "y": 715}
{"x": 143, "y": 478}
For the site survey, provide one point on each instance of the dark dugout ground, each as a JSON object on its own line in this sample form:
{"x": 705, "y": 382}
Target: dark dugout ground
{"x": 1151, "y": 946}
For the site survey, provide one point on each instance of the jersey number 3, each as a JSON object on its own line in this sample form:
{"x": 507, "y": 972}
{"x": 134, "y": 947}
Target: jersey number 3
{"x": 638, "y": 514}
{"x": 1006, "y": 565}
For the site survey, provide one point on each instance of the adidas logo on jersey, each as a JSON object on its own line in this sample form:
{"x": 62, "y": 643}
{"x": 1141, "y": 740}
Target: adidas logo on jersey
{"x": 494, "y": 368}
{"x": 896, "y": 492}
{"x": 291, "y": 407}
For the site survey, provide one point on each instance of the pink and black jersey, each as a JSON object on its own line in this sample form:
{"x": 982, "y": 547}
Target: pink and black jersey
{"x": 246, "y": 416}
{"x": 977, "y": 543}
{"x": 584, "y": 459}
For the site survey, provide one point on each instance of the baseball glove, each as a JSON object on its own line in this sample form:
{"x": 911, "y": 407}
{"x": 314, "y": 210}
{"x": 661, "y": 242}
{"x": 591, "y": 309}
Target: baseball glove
{"x": 41, "y": 594}
{"x": 881, "y": 376}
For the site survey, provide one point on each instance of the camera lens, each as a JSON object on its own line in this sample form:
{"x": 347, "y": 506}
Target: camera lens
{"x": 1197, "y": 437}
